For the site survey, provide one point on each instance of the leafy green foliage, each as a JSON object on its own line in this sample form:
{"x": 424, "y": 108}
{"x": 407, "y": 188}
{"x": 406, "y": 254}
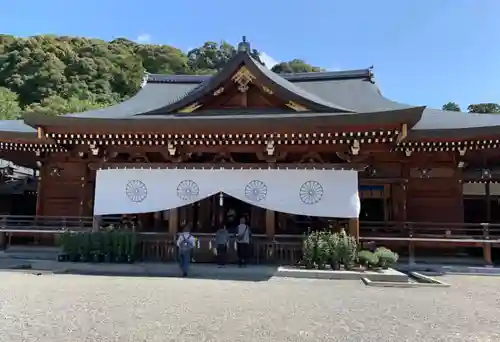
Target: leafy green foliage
{"x": 386, "y": 257}
{"x": 295, "y": 66}
{"x": 59, "y": 74}
{"x": 452, "y": 107}
{"x": 322, "y": 248}
{"x": 9, "y": 105}
{"x": 484, "y": 108}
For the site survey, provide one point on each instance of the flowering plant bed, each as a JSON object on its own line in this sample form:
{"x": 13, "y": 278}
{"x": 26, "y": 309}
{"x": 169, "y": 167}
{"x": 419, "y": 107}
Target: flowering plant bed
{"x": 338, "y": 251}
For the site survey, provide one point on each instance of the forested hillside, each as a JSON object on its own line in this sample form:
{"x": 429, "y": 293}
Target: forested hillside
{"x": 58, "y": 74}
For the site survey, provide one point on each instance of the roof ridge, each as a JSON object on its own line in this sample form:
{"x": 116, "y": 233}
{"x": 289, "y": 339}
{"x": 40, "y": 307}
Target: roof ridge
{"x": 292, "y": 77}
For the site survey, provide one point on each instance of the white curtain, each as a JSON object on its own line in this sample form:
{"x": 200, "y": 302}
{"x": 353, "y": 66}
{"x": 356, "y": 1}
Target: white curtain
{"x": 327, "y": 193}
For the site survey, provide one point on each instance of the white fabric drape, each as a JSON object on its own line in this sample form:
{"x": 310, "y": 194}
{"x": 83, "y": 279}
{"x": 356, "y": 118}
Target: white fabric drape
{"x": 327, "y": 193}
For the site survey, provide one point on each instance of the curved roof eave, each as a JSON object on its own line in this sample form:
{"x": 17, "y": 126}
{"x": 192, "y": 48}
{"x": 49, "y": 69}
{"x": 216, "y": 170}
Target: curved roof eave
{"x": 150, "y": 97}
{"x": 16, "y": 129}
{"x": 440, "y": 124}
{"x": 362, "y": 95}
{"x": 174, "y": 123}
{"x": 210, "y": 84}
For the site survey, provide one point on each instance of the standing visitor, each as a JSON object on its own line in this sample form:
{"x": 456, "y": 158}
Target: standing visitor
{"x": 243, "y": 242}
{"x": 185, "y": 243}
{"x": 221, "y": 242}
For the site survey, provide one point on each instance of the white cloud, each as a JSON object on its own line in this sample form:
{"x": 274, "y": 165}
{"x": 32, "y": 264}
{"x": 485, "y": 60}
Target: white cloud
{"x": 143, "y": 38}
{"x": 268, "y": 60}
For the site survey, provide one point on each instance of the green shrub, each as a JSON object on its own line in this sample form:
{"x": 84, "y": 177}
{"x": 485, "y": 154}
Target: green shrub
{"x": 348, "y": 249}
{"x": 322, "y": 248}
{"x": 308, "y": 251}
{"x": 118, "y": 246}
{"x": 334, "y": 251}
{"x": 322, "y": 252}
{"x": 386, "y": 257}
{"x": 368, "y": 259}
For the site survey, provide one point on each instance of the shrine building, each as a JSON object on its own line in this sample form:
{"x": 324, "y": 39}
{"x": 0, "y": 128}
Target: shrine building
{"x": 291, "y": 152}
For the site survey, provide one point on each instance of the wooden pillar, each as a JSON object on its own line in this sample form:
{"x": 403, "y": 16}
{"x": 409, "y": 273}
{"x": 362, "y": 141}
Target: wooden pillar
{"x": 173, "y": 221}
{"x": 487, "y": 190}
{"x": 39, "y": 191}
{"x": 203, "y": 223}
{"x": 254, "y": 218}
{"x": 270, "y": 223}
{"x": 487, "y": 254}
{"x": 354, "y": 228}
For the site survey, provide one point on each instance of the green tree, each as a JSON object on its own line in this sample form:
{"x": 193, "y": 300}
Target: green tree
{"x": 484, "y": 108}
{"x": 63, "y": 74}
{"x": 56, "y": 105}
{"x": 295, "y": 66}
{"x": 451, "y": 106}
{"x": 9, "y": 105}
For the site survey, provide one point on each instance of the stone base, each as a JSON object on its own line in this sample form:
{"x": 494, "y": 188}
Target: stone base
{"x": 389, "y": 275}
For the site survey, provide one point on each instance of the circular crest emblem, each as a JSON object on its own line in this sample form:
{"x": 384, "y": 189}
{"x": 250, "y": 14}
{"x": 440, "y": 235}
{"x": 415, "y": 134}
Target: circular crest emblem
{"x": 187, "y": 190}
{"x": 136, "y": 191}
{"x": 256, "y": 190}
{"x": 311, "y": 192}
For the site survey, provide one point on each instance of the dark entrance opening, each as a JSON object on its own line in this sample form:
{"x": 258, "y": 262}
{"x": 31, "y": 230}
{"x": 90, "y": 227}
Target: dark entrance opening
{"x": 232, "y": 210}
{"x": 372, "y": 209}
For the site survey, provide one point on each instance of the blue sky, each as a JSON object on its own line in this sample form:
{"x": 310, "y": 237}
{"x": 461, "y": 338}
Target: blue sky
{"x": 424, "y": 52}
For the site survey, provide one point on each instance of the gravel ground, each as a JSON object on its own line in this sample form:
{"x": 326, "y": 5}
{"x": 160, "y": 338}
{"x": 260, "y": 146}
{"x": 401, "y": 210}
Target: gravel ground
{"x": 89, "y": 308}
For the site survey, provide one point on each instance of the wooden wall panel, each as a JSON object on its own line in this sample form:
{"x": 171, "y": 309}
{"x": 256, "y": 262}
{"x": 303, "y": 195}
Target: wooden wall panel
{"x": 435, "y": 199}
{"x": 63, "y": 193}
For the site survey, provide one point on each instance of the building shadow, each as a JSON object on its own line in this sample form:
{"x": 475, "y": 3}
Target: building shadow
{"x": 251, "y": 273}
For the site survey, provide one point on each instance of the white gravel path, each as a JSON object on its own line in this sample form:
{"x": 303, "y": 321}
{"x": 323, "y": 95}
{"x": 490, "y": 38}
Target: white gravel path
{"x": 89, "y": 308}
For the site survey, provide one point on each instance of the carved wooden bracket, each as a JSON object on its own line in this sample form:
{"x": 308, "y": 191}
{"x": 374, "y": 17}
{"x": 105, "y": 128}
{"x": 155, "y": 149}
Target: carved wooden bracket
{"x": 270, "y": 148}
{"x": 138, "y": 157}
{"x": 171, "y": 149}
{"x": 311, "y": 157}
{"x": 279, "y": 156}
{"x": 94, "y": 149}
{"x": 355, "y": 147}
{"x": 224, "y": 157}
{"x": 344, "y": 156}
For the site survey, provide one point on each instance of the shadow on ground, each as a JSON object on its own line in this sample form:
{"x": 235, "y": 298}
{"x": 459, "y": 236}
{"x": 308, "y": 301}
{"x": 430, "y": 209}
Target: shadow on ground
{"x": 252, "y": 273}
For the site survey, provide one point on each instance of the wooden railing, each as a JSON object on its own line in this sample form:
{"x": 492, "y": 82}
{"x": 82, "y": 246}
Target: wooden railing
{"x": 283, "y": 249}
{"x": 43, "y": 224}
{"x": 429, "y": 231}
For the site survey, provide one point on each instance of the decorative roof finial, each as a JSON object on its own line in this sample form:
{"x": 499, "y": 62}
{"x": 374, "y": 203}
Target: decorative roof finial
{"x": 244, "y": 45}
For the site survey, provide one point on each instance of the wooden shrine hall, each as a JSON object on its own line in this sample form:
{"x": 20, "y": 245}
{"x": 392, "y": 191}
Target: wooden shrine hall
{"x": 291, "y": 152}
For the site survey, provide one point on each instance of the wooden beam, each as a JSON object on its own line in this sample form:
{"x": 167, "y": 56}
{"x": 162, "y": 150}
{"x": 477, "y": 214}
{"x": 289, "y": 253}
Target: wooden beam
{"x": 354, "y": 228}
{"x": 270, "y": 223}
{"x": 243, "y": 166}
{"x": 487, "y": 254}
{"x": 173, "y": 220}
{"x": 403, "y": 133}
